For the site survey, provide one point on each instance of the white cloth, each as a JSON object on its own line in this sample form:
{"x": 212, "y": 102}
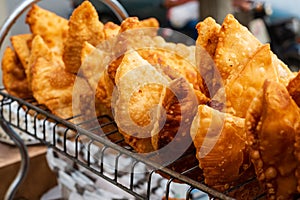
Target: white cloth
{"x": 180, "y": 15}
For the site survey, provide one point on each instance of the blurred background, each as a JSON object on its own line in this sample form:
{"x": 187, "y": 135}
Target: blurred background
{"x": 272, "y": 21}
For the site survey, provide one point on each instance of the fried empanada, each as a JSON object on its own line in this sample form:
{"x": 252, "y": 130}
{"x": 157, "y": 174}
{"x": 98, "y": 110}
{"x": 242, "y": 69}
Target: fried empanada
{"x": 180, "y": 105}
{"x": 235, "y": 47}
{"x": 208, "y": 35}
{"x": 91, "y": 70}
{"x": 94, "y": 70}
{"x": 171, "y": 60}
{"x": 95, "y": 61}
{"x": 14, "y": 77}
{"x": 143, "y": 98}
{"x": 272, "y": 123}
{"x": 220, "y": 142}
{"x": 84, "y": 25}
{"x": 164, "y": 56}
{"x": 294, "y": 88}
{"x": 51, "y": 27}
{"x": 283, "y": 72}
{"x": 111, "y": 30}
{"x": 171, "y": 134}
{"x": 22, "y": 46}
{"x": 140, "y": 89}
{"x": 206, "y": 43}
{"x": 38, "y": 49}
{"x": 241, "y": 89}
{"x": 136, "y": 34}
{"x": 134, "y": 23}
{"x": 52, "y": 86}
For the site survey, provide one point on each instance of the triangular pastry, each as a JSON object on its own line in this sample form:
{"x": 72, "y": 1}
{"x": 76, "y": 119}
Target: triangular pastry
{"x": 220, "y": 142}
{"x": 272, "y": 123}
{"x": 241, "y": 89}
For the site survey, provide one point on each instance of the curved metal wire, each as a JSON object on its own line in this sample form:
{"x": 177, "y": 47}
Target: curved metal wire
{"x": 11, "y": 19}
{"x": 117, "y": 8}
{"x": 24, "y": 160}
{"x": 114, "y": 5}
{"x": 24, "y": 165}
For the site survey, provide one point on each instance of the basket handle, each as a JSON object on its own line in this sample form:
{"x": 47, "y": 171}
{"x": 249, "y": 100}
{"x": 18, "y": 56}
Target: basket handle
{"x": 114, "y": 5}
{"x": 117, "y": 8}
{"x": 24, "y": 164}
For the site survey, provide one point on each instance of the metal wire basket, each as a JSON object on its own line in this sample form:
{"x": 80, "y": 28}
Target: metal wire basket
{"x": 67, "y": 138}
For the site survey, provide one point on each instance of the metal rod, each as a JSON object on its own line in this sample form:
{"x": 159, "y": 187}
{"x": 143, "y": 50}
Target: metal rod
{"x": 117, "y": 8}
{"x": 24, "y": 160}
{"x": 11, "y": 19}
{"x": 114, "y": 5}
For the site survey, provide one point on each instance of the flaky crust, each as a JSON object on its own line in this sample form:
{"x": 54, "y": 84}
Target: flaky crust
{"x": 241, "y": 89}
{"x": 22, "y": 46}
{"x": 84, "y": 25}
{"x": 169, "y": 60}
{"x": 51, "y": 84}
{"x": 134, "y": 23}
{"x": 133, "y": 105}
{"x": 162, "y": 55}
{"x": 208, "y": 35}
{"x": 14, "y": 77}
{"x": 294, "y": 88}
{"x": 235, "y": 46}
{"x": 38, "y": 49}
{"x": 179, "y": 103}
{"x": 51, "y": 27}
{"x": 220, "y": 143}
{"x": 111, "y": 30}
{"x": 272, "y": 122}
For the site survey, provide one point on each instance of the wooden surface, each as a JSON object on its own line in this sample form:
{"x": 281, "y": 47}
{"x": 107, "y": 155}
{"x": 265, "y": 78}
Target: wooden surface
{"x": 10, "y": 154}
{"x": 39, "y": 178}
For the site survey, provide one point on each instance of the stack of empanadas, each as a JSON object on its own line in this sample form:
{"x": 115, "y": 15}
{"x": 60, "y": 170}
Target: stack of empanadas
{"x": 227, "y": 104}
{"x": 272, "y": 126}
{"x": 252, "y": 122}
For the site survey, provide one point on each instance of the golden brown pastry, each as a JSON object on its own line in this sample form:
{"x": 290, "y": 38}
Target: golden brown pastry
{"x": 14, "y": 77}
{"x": 171, "y": 60}
{"x": 139, "y": 91}
{"x": 283, "y": 72}
{"x": 38, "y": 49}
{"x": 111, "y": 30}
{"x": 220, "y": 142}
{"x": 180, "y": 106}
{"x": 82, "y": 27}
{"x": 162, "y": 55}
{"x": 22, "y": 45}
{"x": 92, "y": 67}
{"x": 294, "y": 88}
{"x": 208, "y": 35}
{"x": 51, "y": 85}
{"x": 94, "y": 70}
{"x": 134, "y": 23}
{"x": 241, "y": 89}
{"x": 153, "y": 106}
{"x": 172, "y": 139}
{"x": 206, "y": 44}
{"x": 272, "y": 123}
{"x": 235, "y": 46}
{"x": 51, "y": 27}
{"x": 135, "y": 34}
{"x": 113, "y": 50}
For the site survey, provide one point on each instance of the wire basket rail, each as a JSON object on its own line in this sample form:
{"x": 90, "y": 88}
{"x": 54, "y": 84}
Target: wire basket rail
{"x": 88, "y": 149}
